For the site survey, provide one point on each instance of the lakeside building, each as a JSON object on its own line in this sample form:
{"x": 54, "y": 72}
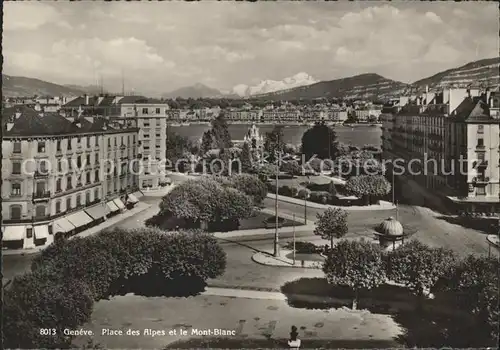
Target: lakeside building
{"x": 447, "y": 125}
{"x": 53, "y": 177}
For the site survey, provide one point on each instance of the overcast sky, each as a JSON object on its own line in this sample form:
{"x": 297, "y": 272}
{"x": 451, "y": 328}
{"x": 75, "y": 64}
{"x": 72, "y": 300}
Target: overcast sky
{"x": 162, "y": 46}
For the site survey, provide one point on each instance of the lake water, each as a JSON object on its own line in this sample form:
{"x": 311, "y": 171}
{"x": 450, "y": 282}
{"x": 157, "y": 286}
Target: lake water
{"x": 357, "y": 136}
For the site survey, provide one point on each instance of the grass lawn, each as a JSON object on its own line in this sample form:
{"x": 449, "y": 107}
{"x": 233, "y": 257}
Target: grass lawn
{"x": 229, "y": 343}
{"x": 257, "y": 222}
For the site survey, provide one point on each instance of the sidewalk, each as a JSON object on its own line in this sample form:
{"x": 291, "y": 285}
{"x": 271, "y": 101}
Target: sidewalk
{"x": 266, "y": 258}
{"x": 262, "y": 231}
{"x": 382, "y": 206}
{"x": 114, "y": 220}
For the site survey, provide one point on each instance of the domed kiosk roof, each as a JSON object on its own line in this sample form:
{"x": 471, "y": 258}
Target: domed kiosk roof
{"x": 390, "y": 227}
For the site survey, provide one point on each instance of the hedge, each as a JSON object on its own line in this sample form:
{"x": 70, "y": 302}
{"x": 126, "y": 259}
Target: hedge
{"x": 322, "y": 197}
{"x": 69, "y": 276}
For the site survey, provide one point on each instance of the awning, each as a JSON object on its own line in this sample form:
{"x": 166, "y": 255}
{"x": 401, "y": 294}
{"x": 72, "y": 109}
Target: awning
{"x": 119, "y": 203}
{"x": 96, "y": 212}
{"x": 112, "y": 206}
{"x": 132, "y": 199}
{"x": 14, "y": 233}
{"x": 41, "y": 231}
{"x": 79, "y": 219}
{"x": 63, "y": 225}
{"x": 138, "y": 194}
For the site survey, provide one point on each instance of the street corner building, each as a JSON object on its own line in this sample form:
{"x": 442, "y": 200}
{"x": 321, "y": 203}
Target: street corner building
{"x": 447, "y": 125}
{"x": 64, "y": 172}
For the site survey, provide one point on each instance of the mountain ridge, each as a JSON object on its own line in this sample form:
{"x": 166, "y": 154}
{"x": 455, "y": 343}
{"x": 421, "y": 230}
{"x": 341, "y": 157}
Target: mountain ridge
{"x": 197, "y": 90}
{"x": 18, "y": 86}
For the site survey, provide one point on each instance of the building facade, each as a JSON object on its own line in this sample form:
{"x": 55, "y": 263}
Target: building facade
{"x": 439, "y": 129}
{"x": 54, "y": 179}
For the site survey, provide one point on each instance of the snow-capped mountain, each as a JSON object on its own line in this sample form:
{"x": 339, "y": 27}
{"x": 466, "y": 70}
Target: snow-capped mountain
{"x": 267, "y": 86}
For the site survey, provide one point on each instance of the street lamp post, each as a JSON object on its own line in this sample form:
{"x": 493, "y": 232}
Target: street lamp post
{"x": 276, "y": 234}
{"x": 305, "y": 203}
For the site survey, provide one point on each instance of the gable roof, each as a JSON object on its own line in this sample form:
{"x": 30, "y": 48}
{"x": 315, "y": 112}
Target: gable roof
{"x": 472, "y": 109}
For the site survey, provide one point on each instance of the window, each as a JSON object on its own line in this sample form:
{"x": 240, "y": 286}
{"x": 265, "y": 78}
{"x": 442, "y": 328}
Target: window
{"x": 87, "y": 197}
{"x": 58, "y": 146}
{"x": 88, "y": 159}
{"x": 133, "y": 138}
{"x": 88, "y": 141}
{"x": 158, "y": 121}
{"x": 41, "y": 147}
{"x": 146, "y": 136}
{"x": 78, "y": 140}
{"x": 481, "y": 191}
{"x": 40, "y": 211}
{"x": 109, "y": 142}
{"x": 88, "y": 178}
{"x": 122, "y": 141}
{"x": 42, "y": 167}
{"x": 59, "y": 165}
{"x": 58, "y": 185}
{"x": 69, "y": 144}
{"x": 96, "y": 141}
{"x": 16, "y": 189}
{"x": 480, "y": 142}
{"x": 69, "y": 183}
{"x": 79, "y": 161}
{"x": 115, "y": 140}
{"x": 17, "y": 147}
{"x": 480, "y": 156}
{"x": 68, "y": 203}
{"x": 144, "y": 111}
{"x": 78, "y": 200}
{"x": 157, "y": 111}
{"x": 58, "y": 207}
{"x": 96, "y": 194}
{"x": 16, "y": 168}
{"x": 15, "y": 212}
{"x": 96, "y": 176}
{"x": 158, "y": 135}
{"x": 480, "y": 129}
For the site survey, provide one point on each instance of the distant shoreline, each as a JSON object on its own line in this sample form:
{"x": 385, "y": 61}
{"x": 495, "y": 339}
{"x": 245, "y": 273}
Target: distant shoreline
{"x": 231, "y": 122}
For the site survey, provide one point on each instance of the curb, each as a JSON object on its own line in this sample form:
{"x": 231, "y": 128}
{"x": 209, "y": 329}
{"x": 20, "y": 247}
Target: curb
{"x": 32, "y": 251}
{"x": 314, "y": 265}
{"x": 326, "y": 206}
{"x": 260, "y": 232}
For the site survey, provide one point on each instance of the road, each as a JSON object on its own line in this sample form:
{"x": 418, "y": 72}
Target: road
{"x": 431, "y": 231}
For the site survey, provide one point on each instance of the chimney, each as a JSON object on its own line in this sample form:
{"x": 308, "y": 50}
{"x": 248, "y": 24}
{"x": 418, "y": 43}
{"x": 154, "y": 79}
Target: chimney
{"x": 468, "y": 93}
{"x": 426, "y": 89}
{"x": 86, "y": 100}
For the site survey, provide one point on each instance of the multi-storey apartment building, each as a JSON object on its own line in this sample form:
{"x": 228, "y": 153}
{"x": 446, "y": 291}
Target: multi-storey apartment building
{"x": 53, "y": 175}
{"x": 151, "y": 117}
{"x": 446, "y": 126}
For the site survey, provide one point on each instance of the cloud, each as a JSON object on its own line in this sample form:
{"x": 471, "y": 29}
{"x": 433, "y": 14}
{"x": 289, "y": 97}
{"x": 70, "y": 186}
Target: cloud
{"x": 166, "y": 45}
{"x": 31, "y": 16}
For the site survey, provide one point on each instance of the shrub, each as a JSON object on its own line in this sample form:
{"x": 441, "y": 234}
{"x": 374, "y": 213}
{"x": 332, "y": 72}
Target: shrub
{"x": 303, "y": 193}
{"x": 34, "y": 302}
{"x": 356, "y": 264}
{"x": 288, "y": 191}
{"x": 322, "y": 197}
{"x": 304, "y": 247}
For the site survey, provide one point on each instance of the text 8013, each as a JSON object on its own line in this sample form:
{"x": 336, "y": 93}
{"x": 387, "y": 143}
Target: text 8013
{"x": 47, "y": 331}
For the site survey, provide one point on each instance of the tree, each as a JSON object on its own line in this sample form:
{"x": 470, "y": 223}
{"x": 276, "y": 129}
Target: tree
{"x": 320, "y": 140}
{"x": 291, "y": 167}
{"x": 274, "y": 143}
{"x": 368, "y": 187}
{"x": 177, "y": 146}
{"x": 206, "y": 142}
{"x": 220, "y": 132}
{"x": 205, "y": 201}
{"x": 35, "y": 302}
{"x": 265, "y": 171}
{"x": 356, "y": 264}
{"x": 331, "y": 224}
{"x": 246, "y": 158}
{"x": 251, "y": 186}
{"x": 475, "y": 281}
{"x": 419, "y": 267}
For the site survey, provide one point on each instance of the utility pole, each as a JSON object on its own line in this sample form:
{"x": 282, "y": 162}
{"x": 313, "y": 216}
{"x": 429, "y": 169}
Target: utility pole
{"x": 393, "y": 190}
{"x": 293, "y": 239}
{"x": 276, "y": 234}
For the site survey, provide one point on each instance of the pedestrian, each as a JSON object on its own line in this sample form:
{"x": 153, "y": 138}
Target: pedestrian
{"x": 294, "y": 342}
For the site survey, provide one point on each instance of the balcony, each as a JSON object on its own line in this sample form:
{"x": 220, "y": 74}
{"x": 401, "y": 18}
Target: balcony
{"x": 481, "y": 180}
{"x": 41, "y": 195}
{"x": 480, "y": 164}
{"x": 41, "y": 174}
